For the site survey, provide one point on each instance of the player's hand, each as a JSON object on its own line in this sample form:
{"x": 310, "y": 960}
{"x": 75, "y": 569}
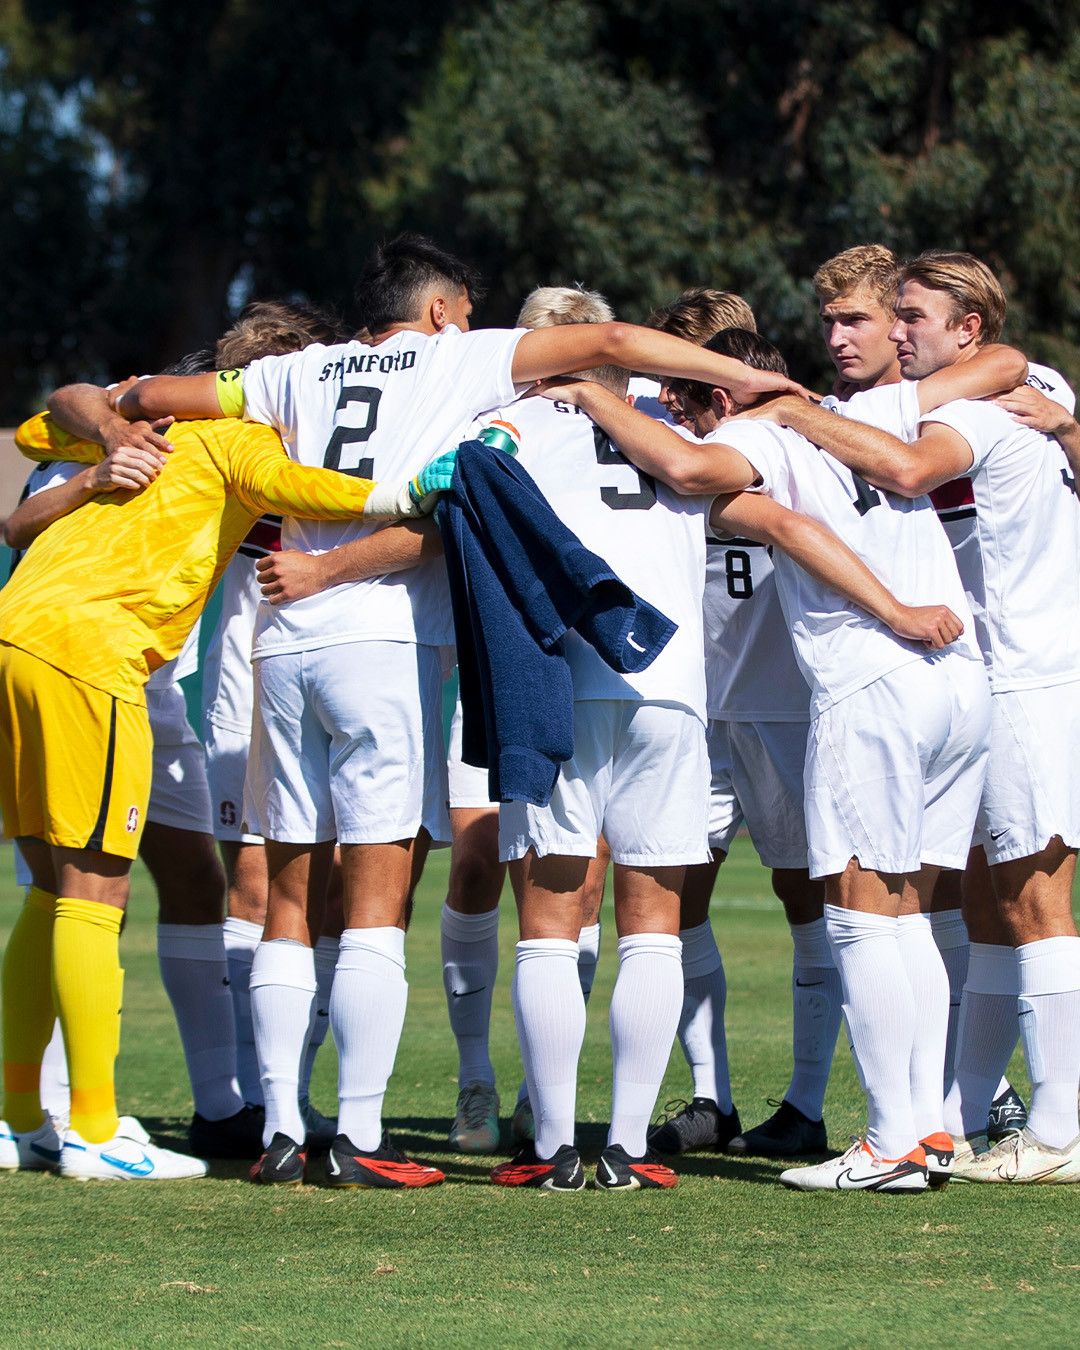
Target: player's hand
{"x": 121, "y": 435}
{"x": 935, "y": 626}
{"x": 753, "y": 384}
{"x": 128, "y": 468}
{"x": 434, "y": 477}
{"x": 563, "y": 389}
{"x": 768, "y": 410}
{"x": 1033, "y": 409}
{"x": 290, "y": 575}
{"x": 115, "y": 393}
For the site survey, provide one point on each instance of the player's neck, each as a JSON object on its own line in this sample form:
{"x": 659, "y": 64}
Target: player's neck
{"x": 419, "y": 326}
{"x": 890, "y": 375}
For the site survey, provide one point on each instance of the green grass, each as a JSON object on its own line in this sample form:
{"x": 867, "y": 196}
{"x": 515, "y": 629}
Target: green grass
{"x": 729, "y": 1257}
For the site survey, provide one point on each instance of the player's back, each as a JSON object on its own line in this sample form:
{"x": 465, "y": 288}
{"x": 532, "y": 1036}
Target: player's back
{"x": 109, "y": 592}
{"x": 840, "y": 647}
{"x": 651, "y": 537}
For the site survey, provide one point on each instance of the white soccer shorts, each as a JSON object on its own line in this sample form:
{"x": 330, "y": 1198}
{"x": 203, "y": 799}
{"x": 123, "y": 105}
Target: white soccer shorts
{"x": 347, "y": 743}
{"x": 179, "y": 794}
{"x": 227, "y": 754}
{"x": 468, "y": 785}
{"x": 639, "y": 776}
{"x": 757, "y": 778}
{"x": 1033, "y": 783}
{"x": 894, "y": 772}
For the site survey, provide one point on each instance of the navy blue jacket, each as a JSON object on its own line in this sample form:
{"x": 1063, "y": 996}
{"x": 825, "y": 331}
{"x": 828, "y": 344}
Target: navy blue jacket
{"x": 518, "y": 580}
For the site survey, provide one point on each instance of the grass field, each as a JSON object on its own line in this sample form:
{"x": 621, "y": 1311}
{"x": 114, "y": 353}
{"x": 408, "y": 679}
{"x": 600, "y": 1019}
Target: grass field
{"x": 728, "y": 1258}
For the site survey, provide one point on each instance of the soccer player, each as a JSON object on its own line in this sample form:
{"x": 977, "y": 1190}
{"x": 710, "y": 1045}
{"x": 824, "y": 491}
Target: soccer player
{"x": 107, "y": 595}
{"x": 366, "y": 746}
{"x": 1022, "y": 579}
{"x": 897, "y": 739}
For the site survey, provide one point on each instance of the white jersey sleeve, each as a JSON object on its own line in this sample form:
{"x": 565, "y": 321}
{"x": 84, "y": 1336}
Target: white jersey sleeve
{"x": 653, "y": 539}
{"x": 840, "y": 647}
{"x": 1024, "y": 579}
{"x": 378, "y": 412}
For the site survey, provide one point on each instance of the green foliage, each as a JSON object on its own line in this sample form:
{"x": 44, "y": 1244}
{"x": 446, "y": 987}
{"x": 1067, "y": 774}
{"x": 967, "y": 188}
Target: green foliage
{"x": 162, "y": 162}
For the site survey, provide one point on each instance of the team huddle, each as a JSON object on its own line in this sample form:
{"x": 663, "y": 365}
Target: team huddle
{"x": 851, "y": 627}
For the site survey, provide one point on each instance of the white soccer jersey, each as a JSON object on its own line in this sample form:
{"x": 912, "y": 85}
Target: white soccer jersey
{"x": 1053, "y": 384}
{"x": 839, "y": 647}
{"x": 1024, "y": 579}
{"x": 651, "y": 537}
{"x": 227, "y": 681}
{"x": 378, "y": 412}
{"x": 645, "y": 392}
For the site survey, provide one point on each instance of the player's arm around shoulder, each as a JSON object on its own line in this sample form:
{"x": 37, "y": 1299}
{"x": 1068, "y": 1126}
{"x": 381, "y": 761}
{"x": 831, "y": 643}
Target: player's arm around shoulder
{"x": 293, "y": 575}
{"x": 191, "y": 397}
{"x": 994, "y": 369}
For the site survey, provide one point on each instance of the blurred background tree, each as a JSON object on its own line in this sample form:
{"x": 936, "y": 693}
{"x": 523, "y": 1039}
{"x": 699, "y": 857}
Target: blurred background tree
{"x": 163, "y": 163}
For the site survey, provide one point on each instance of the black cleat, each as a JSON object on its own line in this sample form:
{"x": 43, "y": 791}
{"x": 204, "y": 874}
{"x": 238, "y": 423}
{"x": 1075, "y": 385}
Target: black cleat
{"x": 281, "y": 1165}
{"x": 786, "y": 1134}
{"x": 617, "y": 1171}
{"x": 237, "y": 1136}
{"x": 696, "y": 1124}
{"x": 561, "y": 1172}
{"x": 1008, "y": 1115}
{"x": 384, "y": 1168}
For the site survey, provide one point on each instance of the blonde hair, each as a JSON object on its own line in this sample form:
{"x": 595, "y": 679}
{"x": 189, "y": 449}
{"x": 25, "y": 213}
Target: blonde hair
{"x": 548, "y": 306}
{"x": 973, "y": 287}
{"x": 870, "y": 266}
{"x": 700, "y": 313}
{"x": 273, "y": 328}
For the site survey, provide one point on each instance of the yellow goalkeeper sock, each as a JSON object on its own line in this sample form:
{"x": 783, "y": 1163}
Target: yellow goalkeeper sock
{"x": 88, "y": 983}
{"x": 29, "y": 1012}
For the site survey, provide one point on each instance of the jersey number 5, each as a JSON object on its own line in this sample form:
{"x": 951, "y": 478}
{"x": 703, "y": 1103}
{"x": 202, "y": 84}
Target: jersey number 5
{"x": 610, "y": 496}
{"x": 336, "y": 456}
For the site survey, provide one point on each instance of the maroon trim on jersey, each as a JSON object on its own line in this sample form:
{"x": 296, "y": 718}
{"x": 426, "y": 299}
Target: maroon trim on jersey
{"x": 264, "y": 537}
{"x": 953, "y": 496}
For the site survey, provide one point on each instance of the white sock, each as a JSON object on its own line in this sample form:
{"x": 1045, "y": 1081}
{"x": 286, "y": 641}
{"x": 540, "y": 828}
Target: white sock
{"x": 880, "y": 1014}
{"x": 817, "y": 1005}
{"x": 195, "y": 975}
{"x": 326, "y": 956}
{"x": 282, "y": 991}
{"x": 588, "y": 956}
{"x": 55, "y": 1084}
{"x": 951, "y": 937}
{"x": 549, "y": 1010}
{"x": 367, "y": 1013}
{"x": 241, "y": 940}
{"x": 985, "y": 1037}
{"x": 1049, "y": 979}
{"x": 701, "y": 1019}
{"x": 470, "y": 962}
{"x": 930, "y": 988}
{"x": 645, "y": 1008}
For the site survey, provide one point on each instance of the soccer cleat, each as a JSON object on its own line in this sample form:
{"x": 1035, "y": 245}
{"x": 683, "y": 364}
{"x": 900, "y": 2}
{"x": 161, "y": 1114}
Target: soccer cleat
{"x": 321, "y": 1130}
{"x": 282, "y": 1163}
{"x": 522, "y": 1124}
{"x": 617, "y": 1171}
{"x": 34, "y": 1151}
{"x": 696, "y": 1124}
{"x": 561, "y": 1172}
{"x": 786, "y": 1134}
{"x": 1021, "y": 1159}
{"x": 476, "y": 1119}
{"x": 1008, "y": 1115}
{"x": 237, "y": 1136}
{"x": 939, "y": 1158}
{"x": 860, "y": 1169}
{"x": 384, "y": 1168}
{"x": 127, "y": 1156}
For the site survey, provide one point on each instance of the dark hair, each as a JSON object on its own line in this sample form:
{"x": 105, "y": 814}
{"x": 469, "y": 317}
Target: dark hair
{"x": 749, "y": 348}
{"x": 398, "y": 275}
{"x": 194, "y": 363}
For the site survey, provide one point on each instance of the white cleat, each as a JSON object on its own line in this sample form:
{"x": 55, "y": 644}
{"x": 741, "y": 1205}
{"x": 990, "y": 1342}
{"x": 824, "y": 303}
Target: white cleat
{"x": 860, "y": 1169}
{"x": 128, "y": 1156}
{"x": 476, "y": 1119}
{"x": 1021, "y": 1159}
{"x": 36, "y": 1151}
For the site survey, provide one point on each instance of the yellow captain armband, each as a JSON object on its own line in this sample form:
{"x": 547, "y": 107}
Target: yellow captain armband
{"x": 230, "y": 392}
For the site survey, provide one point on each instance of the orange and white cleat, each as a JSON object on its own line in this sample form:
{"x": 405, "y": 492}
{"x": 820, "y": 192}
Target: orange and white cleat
{"x": 939, "y": 1150}
{"x": 860, "y": 1169}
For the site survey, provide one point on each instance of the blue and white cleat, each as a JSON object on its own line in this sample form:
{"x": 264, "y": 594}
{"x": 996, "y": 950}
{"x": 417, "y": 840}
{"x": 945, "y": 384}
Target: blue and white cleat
{"x": 37, "y": 1151}
{"x": 128, "y": 1156}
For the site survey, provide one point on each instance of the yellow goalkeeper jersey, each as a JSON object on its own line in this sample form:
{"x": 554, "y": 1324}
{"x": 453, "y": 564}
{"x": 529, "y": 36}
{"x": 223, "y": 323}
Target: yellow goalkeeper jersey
{"x": 109, "y": 593}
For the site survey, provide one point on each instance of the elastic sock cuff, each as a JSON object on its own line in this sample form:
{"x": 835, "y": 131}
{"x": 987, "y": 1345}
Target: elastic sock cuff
{"x": 1049, "y": 966}
{"x": 650, "y": 944}
{"x": 469, "y": 927}
{"x": 92, "y": 912}
{"x": 811, "y": 944}
{"x": 530, "y": 949}
{"x": 191, "y": 941}
{"x": 950, "y": 930}
{"x": 992, "y": 970}
{"x": 242, "y": 930}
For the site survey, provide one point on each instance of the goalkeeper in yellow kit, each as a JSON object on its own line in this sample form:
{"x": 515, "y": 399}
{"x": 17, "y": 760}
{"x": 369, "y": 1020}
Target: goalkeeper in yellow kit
{"x": 101, "y": 600}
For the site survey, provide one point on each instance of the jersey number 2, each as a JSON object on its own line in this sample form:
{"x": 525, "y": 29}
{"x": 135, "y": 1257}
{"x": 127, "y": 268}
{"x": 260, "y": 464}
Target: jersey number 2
{"x": 343, "y": 436}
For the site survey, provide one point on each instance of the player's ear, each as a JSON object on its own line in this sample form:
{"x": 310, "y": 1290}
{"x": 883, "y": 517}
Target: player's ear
{"x": 438, "y": 312}
{"x": 969, "y": 329}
